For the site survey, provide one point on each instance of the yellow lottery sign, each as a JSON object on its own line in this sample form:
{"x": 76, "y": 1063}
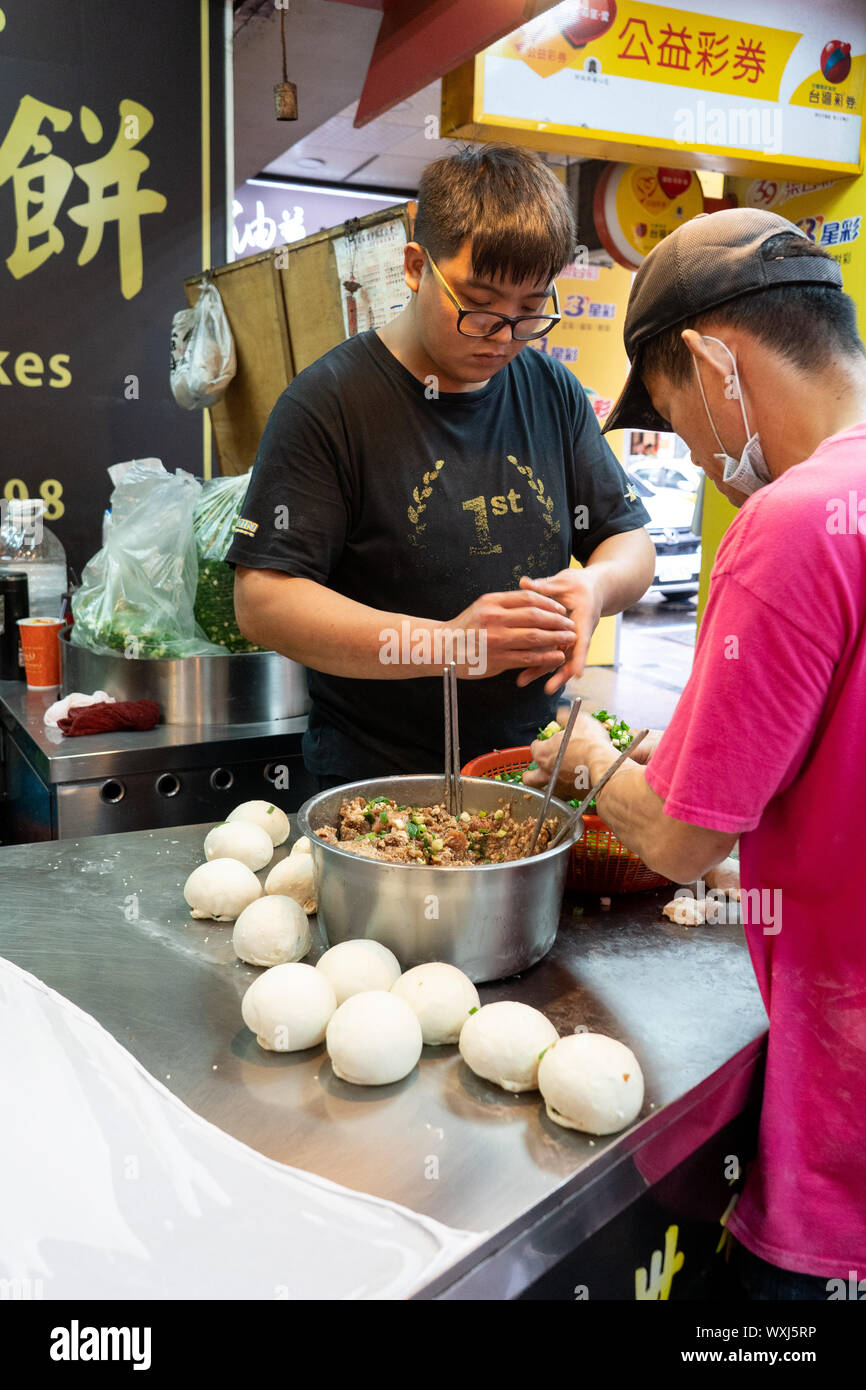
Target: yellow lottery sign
{"x": 710, "y": 84}
{"x": 588, "y": 337}
{"x": 831, "y": 215}
{"x": 637, "y": 205}
{"x": 660, "y": 44}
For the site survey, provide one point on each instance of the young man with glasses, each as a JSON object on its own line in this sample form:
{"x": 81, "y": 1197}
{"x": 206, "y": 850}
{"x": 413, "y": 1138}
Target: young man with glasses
{"x": 437, "y": 479}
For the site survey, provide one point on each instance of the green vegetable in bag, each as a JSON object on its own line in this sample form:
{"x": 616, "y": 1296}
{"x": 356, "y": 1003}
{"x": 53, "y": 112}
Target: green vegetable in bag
{"x": 219, "y": 506}
{"x": 136, "y": 595}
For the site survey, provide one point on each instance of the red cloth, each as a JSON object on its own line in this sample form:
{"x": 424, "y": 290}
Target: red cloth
{"x": 100, "y": 719}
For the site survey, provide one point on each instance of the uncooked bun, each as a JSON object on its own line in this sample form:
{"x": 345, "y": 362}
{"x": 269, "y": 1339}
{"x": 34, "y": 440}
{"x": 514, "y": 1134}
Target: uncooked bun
{"x": 373, "y": 1039}
{"x": 441, "y": 996}
{"x": 295, "y": 877}
{"x": 265, "y": 815}
{"x": 356, "y": 966}
{"x": 725, "y": 876}
{"x": 221, "y": 889}
{"x": 592, "y": 1083}
{"x": 502, "y": 1042}
{"x": 272, "y": 931}
{"x": 242, "y": 840}
{"x": 288, "y": 1007}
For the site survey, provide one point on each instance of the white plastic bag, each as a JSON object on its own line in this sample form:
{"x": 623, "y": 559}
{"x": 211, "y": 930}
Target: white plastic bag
{"x": 202, "y": 352}
{"x": 137, "y": 593}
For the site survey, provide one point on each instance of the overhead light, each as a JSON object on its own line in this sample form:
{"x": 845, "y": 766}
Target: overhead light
{"x": 309, "y": 161}
{"x": 332, "y": 190}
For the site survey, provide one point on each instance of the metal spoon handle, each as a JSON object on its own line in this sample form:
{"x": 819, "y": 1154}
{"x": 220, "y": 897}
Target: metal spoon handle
{"x": 594, "y": 791}
{"x": 560, "y": 754}
{"x": 455, "y": 741}
{"x": 453, "y": 784}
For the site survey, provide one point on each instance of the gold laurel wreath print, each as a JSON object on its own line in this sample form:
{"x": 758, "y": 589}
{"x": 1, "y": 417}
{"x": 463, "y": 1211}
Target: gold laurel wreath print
{"x": 547, "y": 549}
{"x": 546, "y": 503}
{"x": 420, "y": 499}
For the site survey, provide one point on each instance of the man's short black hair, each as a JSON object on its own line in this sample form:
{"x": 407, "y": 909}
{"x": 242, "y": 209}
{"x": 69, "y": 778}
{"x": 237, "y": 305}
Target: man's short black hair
{"x": 512, "y": 206}
{"x": 808, "y": 325}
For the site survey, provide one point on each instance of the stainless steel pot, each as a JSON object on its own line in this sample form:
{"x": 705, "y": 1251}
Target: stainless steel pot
{"x": 230, "y": 688}
{"x": 490, "y": 920}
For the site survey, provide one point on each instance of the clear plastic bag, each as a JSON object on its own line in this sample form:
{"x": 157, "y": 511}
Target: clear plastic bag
{"x": 137, "y": 593}
{"x": 219, "y": 505}
{"x": 202, "y": 352}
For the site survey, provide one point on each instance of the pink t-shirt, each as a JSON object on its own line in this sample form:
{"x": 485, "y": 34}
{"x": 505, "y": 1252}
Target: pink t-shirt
{"x": 769, "y": 739}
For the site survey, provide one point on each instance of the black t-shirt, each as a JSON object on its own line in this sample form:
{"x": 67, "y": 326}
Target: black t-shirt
{"x": 367, "y": 482}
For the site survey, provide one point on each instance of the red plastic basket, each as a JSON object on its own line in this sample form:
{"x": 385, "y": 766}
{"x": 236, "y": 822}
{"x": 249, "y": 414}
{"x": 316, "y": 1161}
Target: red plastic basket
{"x": 599, "y": 862}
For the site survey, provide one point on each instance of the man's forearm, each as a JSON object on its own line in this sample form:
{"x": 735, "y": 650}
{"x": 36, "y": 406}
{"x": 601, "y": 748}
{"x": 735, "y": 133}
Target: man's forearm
{"x": 328, "y": 632}
{"x": 636, "y": 815}
{"x": 624, "y": 565}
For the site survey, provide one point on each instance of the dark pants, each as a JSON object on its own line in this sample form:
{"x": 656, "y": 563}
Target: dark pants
{"x": 326, "y": 783}
{"x": 759, "y": 1280}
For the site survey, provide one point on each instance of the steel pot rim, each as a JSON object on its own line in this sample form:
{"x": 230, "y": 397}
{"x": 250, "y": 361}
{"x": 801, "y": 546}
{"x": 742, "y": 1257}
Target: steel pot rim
{"x": 452, "y": 869}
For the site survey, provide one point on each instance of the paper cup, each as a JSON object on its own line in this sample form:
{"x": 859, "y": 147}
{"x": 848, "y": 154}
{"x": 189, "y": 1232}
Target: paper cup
{"x": 40, "y": 638}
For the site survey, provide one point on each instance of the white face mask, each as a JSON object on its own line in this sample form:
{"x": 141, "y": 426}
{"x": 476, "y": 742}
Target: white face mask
{"x": 749, "y": 471}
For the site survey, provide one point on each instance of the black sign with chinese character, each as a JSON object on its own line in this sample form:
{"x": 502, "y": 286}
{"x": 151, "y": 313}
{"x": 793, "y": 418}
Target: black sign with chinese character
{"x": 101, "y": 218}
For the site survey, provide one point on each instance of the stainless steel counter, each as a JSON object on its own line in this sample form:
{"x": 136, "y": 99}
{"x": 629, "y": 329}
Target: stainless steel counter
{"x": 103, "y": 921}
{"x": 52, "y": 787}
{"x": 59, "y": 759}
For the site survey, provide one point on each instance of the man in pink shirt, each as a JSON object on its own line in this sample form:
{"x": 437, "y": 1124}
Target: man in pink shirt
{"x": 742, "y": 341}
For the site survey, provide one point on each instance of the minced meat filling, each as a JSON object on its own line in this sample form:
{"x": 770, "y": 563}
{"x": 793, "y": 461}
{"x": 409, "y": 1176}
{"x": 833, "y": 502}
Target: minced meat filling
{"x": 380, "y": 829}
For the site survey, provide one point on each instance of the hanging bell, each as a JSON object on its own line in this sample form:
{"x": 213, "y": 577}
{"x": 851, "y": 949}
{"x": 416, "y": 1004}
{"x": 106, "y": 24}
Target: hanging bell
{"x": 286, "y": 101}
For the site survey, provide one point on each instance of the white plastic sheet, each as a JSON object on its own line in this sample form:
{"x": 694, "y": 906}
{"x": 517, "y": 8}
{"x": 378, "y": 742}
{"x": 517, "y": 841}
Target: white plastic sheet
{"x": 111, "y": 1187}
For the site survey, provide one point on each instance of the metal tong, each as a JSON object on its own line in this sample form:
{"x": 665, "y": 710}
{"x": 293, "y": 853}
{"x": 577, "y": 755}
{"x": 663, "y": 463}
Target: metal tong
{"x": 453, "y": 784}
{"x": 574, "y": 820}
{"x": 554, "y": 774}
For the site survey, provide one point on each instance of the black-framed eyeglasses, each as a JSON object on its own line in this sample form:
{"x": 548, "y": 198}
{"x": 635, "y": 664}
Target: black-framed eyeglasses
{"x": 481, "y": 323}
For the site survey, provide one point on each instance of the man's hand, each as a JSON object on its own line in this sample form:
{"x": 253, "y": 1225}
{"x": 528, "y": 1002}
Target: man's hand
{"x": 580, "y": 594}
{"x": 587, "y": 757}
{"x": 646, "y": 747}
{"x": 519, "y": 628}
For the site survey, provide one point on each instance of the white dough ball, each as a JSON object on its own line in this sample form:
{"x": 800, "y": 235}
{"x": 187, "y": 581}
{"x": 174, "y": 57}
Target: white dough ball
{"x": 356, "y": 966}
{"x": 302, "y": 846}
{"x": 294, "y": 877}
{"x": 502, "y": 1043}
{"x": 592, "y": 1083}
{"x": 725, "y": 876}
{"x": 373, "y": 1038}
{"x": 272, "y": 931}
{"x": 221, "y": 889}
{"x": 266, "y": 816}
{"x": 242, "y": 840}
{"x": 441, "y": 996}
{"x": 288, "y": 1007}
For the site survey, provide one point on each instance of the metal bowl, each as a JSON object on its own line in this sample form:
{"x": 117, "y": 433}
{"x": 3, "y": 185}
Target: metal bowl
{"x": 490, "y": 920}
{"x": 223, "y": 688}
